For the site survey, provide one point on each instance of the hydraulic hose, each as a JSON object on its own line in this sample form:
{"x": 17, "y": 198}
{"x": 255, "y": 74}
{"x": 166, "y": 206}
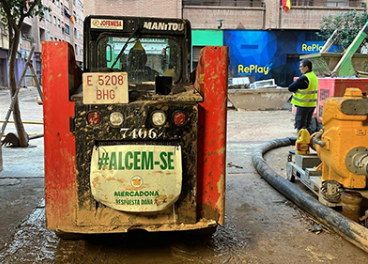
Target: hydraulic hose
{"x": 343, "y": 226}
{"x": 316, "y": 139}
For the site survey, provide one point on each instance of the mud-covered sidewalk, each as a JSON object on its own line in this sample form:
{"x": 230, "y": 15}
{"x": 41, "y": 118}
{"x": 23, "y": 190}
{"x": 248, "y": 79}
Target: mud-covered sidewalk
{"x": 21, "y": 181}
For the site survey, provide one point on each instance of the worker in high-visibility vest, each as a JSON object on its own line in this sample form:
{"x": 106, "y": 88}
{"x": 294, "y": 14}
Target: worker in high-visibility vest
{"x": 305, "y": 90}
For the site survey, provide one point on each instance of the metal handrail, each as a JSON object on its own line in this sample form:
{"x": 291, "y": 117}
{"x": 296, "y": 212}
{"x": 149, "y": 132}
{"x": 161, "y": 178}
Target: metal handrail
{"x": 260, "y": 3}
{"x": 324, "y": 3}
{"x": 223, "y": 3}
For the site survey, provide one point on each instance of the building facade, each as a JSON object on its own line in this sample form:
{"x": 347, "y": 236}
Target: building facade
{"x": 264, "y": 40}
{"x": 231, "y": 14}
{"x": 63, "y": 23}
{"x": 214, "y": 22}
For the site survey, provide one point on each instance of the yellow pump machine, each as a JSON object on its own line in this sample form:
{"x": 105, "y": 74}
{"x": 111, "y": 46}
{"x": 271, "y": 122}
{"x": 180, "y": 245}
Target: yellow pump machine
{"x": 337, "y": 171}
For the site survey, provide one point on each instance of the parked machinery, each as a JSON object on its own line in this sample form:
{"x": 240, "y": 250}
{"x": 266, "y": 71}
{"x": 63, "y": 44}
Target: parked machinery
{"x": 338, "y": 171}
{"x": 135, "y": 145}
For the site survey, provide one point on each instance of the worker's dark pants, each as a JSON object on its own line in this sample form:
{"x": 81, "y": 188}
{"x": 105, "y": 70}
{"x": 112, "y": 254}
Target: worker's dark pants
{"x": 303, "y": 117}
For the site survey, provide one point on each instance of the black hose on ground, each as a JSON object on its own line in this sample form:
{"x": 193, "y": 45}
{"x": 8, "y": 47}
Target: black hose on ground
{"x": 343, "y": 226}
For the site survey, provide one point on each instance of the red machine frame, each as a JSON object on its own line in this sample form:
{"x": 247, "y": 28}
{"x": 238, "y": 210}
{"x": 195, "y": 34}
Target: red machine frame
{"x": 61, "y": 77}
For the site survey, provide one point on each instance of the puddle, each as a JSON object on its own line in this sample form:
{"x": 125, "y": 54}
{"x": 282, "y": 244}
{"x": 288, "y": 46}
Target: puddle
{"x": 33, "y": 243}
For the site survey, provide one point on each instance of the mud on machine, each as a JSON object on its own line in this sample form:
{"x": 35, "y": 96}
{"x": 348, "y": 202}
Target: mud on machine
{"x": 130, "y": 141}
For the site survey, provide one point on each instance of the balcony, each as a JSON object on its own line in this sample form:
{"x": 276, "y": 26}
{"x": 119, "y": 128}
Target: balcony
{"x": 328, "y": 3}
{"x": 307, "y": 14}
{"x": 227, "y": 3}
{"x": 264, "y": 14}
{"x": 221, "y": 14}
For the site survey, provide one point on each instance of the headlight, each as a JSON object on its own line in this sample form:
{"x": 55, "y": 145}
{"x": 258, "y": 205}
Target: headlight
{"x": 158, "y": 118}
{"x": 116, "y": 119}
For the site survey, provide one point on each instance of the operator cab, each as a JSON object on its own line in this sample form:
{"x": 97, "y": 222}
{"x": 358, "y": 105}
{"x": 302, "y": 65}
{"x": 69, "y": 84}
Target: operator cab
{"x": 153, "y": 52}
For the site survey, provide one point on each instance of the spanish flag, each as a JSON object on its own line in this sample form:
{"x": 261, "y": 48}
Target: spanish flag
{"x": 72, "y": 18}
{"x": 286, "y": 5}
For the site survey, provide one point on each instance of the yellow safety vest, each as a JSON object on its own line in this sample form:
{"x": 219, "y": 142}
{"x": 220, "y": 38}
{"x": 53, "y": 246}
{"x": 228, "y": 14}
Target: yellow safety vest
{"x": 307, "y": 97}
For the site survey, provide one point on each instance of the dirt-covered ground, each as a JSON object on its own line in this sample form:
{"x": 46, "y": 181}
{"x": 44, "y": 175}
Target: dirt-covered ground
{"x": 262, "y": 226}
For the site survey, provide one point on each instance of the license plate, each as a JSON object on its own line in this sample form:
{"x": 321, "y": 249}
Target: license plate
{"x": 105, "y": 88}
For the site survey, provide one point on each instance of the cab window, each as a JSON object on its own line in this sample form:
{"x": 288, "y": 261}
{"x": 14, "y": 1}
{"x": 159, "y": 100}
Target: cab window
{"x": 143, "y": 59}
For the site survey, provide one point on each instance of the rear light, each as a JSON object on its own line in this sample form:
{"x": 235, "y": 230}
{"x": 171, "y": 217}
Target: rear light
{"x": 179, "y": 118}
{"x": 158, "y": 118}
{"x": 94, "y": 117}
{"x": 116, "y": 119}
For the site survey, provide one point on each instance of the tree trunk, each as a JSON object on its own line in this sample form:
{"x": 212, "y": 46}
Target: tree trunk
{"x": 22, "y": 135}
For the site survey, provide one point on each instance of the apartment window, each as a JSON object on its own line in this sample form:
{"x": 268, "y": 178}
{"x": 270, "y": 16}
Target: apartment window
{"x": 67, "y": 29}
{"x": 78, "y": 34}
{"x": 57, "y": 2}
{"x": 80, "y": 4}
{"x": 336, "y": 3}
{"x": 58, "y": 22}
{"x": 76, "y": 49}
{"x": 51, "y": 38}
{"x": 55, "y": 20}
{"x": 66, "y": 12}
{"x": 76, "y": 17}
{"x": 47, "y": 15}
{"x": 3, "y": 31}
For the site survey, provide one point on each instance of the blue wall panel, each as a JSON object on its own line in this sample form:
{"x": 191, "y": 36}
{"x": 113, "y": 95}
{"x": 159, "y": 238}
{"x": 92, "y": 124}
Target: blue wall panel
{"x": 262, "y": 55}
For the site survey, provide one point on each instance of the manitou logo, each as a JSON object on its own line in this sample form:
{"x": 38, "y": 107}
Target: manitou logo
{"x": 106, "y": 23}
{"x": 163, "y": 26}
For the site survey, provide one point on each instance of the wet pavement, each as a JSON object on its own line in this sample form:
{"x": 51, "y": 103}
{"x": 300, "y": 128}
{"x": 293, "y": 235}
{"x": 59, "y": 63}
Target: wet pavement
{"x": 22, "y": 178}
{"x": 261, "y": 226}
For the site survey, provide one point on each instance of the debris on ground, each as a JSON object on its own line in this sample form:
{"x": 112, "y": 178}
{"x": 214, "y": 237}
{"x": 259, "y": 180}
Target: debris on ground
{"x": 230, "y": 164}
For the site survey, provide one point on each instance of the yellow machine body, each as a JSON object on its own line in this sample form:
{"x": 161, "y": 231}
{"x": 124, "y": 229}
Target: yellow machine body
{"x": 344, "y": 143}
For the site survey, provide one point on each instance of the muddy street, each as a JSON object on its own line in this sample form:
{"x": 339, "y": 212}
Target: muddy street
{"x": 261, "y": 225}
